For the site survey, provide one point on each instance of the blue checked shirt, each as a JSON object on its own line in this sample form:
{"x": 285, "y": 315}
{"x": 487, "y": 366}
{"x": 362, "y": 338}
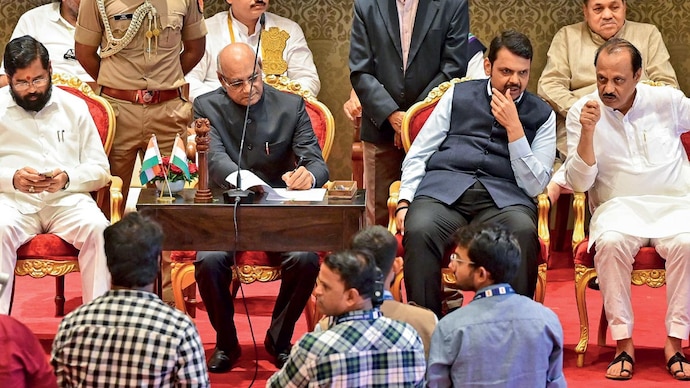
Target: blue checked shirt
{"x": 128, "y": 338}
{"x": 362, "y": 349}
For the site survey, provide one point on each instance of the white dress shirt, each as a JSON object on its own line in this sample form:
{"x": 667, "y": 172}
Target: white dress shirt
{"x": 45, "y": 24}
{"x": 62, "y": 135}
{"x": 531, "y": 164}
{"x": 640, "y": 183}
{"x": 203, "y": 78}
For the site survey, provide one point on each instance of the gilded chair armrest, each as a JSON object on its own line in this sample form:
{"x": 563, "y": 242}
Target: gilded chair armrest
{"x": 544, "y": 207}
{"x": 393, "y": 193}
{"x": 579, "y": 213}
{"x": 116, "y": 205}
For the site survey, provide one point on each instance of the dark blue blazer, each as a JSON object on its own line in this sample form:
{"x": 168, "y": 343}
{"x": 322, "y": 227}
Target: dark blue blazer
{"x": 279, "y": 132}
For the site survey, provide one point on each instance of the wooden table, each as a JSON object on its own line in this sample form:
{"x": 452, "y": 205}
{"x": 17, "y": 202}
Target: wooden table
{"x": 267, "y": 226}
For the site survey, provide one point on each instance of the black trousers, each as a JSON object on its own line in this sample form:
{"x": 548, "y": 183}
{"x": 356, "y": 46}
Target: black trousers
{"x": 213, "y": 273}
{"x": 429, "y": 225}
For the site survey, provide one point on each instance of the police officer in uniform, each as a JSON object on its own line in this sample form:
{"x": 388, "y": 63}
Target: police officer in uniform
{"x": 146, "y": 48}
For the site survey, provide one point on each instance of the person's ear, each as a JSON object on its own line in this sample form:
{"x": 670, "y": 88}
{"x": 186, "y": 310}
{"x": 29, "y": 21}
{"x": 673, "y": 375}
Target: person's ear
{"x": 487, "y": 66}
{"x": 482, "y": 274}
{"x": 352, "y": 297}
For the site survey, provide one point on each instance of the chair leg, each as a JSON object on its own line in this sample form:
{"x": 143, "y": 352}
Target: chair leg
{"x": 582, "y": 276}
{"x": 190, "y": 300}
{"x": 540, "y": 291}
{"x": 60, "y": 296}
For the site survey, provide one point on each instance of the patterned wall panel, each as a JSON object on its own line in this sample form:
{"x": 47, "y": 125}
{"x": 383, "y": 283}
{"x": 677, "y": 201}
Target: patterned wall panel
{"x": 326, "y": 24}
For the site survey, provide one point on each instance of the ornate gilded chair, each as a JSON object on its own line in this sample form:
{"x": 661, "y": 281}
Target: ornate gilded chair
{"x": 414, "y": 120}
{"x": 648, "y": 269}
{"x": 47, "y": 254}
{"x": 256, "y": 265}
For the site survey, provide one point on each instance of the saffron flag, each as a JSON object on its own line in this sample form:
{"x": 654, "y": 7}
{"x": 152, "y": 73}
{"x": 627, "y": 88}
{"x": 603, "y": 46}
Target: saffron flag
{"x": 151, "y": 166}
{"x": 178, "y": 157}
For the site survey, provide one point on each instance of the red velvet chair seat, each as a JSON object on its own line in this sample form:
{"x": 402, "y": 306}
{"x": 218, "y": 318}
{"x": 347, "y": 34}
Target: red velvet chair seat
{"x": 48, "y": 247}
{"x": 646, "y": 259}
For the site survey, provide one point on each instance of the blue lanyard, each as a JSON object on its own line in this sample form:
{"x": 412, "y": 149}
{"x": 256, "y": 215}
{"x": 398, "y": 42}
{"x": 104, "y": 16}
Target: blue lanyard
{"x": 360, "y": 315}
{"x": 500, "y": 290}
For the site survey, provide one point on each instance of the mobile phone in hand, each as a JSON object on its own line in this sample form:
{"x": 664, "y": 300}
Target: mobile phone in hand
{"x": 47, "y": 174}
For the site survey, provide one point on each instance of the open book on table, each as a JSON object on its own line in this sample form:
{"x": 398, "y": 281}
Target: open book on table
{"x": 249, "y": 179}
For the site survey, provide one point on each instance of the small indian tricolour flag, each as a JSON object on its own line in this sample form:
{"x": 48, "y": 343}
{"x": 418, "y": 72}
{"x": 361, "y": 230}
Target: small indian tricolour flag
{"x": 179, "y": 157}
{"x": 151, "y": 165}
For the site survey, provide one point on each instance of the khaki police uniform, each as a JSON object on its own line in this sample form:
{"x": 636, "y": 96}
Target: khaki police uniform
{"x": 143, "y": 81}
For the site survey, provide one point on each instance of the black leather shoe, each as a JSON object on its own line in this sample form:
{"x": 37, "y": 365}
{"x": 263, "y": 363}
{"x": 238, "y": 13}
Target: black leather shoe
{"x": 281, "y": 357}
{"x": 593, "y": 283}
{"x": 222, "y": 362}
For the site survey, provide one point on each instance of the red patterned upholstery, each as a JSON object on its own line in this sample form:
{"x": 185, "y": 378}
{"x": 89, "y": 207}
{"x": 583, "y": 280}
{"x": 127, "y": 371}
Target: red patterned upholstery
{"x": 98, "y": 112}
{"x": 318, "y": 122}
{"x": 419, "y": 119}
{"x": 48, "y": 247}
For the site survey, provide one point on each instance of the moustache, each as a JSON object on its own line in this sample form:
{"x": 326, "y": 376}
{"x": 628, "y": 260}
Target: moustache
{"x": 609, "y": 95}
{"x": 260, "y": 2}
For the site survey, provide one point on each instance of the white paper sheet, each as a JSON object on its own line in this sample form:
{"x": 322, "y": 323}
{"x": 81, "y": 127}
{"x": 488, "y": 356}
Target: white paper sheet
{"x": 249, "y": 179}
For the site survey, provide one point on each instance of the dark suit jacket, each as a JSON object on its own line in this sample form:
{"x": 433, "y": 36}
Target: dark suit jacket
{"x": 438, "y": 52}
{"x": 279, "y": 132}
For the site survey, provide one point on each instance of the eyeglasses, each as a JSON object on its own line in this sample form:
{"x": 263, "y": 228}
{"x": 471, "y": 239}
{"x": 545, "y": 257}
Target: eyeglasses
{"x": 239, "y": 84}
{"x": 456, "y": 258}
{"x": 69, "y": 55}
{"x": 36, "y": 82}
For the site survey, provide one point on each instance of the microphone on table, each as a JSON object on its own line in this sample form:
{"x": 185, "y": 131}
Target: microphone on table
{"x": 237, "y": 194}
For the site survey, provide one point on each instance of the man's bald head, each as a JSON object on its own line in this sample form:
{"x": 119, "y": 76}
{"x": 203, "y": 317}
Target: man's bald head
{"x": 236, "y": 70}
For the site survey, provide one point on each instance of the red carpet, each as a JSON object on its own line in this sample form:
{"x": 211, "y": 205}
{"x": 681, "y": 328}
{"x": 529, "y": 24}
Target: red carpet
{"x": 34, "y": 306}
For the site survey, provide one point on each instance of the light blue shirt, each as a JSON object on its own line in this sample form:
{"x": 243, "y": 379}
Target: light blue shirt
{"x": 498, "y": 341}
{"x": 531, "y": 165}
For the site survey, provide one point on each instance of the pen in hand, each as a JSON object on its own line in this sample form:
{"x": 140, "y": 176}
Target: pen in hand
{"x": 297, "y": 181}
{"x": 300, "y": 163}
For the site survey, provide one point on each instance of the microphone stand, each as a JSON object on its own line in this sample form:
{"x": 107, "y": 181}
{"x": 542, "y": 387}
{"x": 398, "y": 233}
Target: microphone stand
{"x": 238, "y": 195}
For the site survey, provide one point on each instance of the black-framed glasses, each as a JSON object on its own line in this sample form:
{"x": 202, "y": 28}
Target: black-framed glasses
{"x": 36, "y": 82}
{"x": 70, "y": 55}
{"x": 239, "y": 83}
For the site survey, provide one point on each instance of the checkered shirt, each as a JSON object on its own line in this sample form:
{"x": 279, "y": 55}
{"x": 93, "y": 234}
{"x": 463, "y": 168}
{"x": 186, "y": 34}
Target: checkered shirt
{"x": 363, "y": 349}
{"x": 128, "y": 338}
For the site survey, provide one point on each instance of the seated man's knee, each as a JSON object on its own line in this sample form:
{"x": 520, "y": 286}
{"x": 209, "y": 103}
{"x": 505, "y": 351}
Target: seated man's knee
{"x": 682, "y": 240}
{"x": 610, "y": 241}
{"x": 307, "y": 262}
{"x": 617, "y": 246}
{"x": 211, "y": 262}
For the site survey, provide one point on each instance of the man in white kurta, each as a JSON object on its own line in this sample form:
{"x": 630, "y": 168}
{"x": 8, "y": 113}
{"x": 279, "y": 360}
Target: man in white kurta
{"x": 52, "y": 157}
{"x": 569, "y": 74}
{"x": 625, "y": 150}
{"x": 241, "y": 24}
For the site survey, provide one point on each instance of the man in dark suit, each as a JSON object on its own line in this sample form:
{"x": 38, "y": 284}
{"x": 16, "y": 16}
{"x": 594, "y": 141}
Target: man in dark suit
{"x": 279, "y": 133}
{"x": 399, "y": 51}
{"x": 484, "y": 152}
